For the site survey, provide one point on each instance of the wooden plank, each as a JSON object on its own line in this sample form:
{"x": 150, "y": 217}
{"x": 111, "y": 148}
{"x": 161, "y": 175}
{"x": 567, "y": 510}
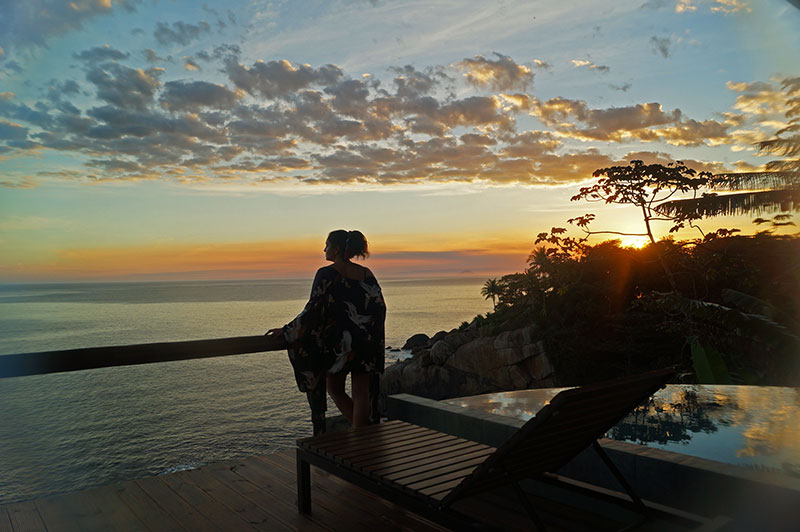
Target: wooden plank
{"x": 207, "y": 506}
{"x": 247, "y": 511}
{"x": 324, "y": 511}
{"x": 266, "y": 498}
{"x": 354, "y": 497}
{"x": 114, "y": 514}
{"x": 438, "y": 466}
{"x": 44, "y": 362}
{"x": 383, "y": 449}
{"x": 5, "y": 520}
{"x": 140, "y": 504}
{"x": 316, "y": 441}
{"x": 378, "y": 460}
{"x": 25, "y": 517}
{"x": 99, "y": 509}
{"x": 180, "y": 510}
{"x": 457, "y": 474}
{"x": 427, "y": 457}
{"x": 380, "y": 443}
{"x": 355, "y": 435}
{"x": 58, "y": 514}
{"x": 363, "y": 444}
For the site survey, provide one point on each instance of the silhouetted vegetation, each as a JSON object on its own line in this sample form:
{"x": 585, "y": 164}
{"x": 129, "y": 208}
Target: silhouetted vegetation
{"x": 724, "y": 308}
{"x": 604, "y": 310}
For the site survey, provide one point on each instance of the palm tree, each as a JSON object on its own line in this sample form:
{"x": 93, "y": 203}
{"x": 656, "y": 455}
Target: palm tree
{"x": 776, "y": 189}
{"x": 492, "y": 289}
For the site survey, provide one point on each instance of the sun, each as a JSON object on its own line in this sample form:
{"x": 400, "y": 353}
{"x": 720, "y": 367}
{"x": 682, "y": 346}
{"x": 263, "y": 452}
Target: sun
{"x": 637, "y": 242}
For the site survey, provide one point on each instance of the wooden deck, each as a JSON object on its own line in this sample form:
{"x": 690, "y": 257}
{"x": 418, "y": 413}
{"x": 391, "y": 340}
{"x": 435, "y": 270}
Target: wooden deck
{"x": 256, "y": 493}
{"x": 259, "y": 493}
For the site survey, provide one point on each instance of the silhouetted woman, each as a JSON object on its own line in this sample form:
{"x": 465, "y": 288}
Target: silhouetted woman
{"x": 340, "y": 331}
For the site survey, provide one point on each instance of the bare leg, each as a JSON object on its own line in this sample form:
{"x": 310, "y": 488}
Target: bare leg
{"x": 361, "y": 402}
{"x": 343, "y": 402}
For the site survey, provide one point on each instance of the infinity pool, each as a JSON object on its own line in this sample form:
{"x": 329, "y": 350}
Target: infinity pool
{"x": 751, "y": 426}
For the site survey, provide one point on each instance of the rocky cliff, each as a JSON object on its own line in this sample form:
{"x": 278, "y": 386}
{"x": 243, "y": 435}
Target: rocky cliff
{"x": 461, "y": 363}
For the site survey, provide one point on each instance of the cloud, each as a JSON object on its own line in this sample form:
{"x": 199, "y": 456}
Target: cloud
{"x": 730, "y": 6}
{"x": 190, "y": 64}
{"x": 275, "y": 79}
{"x": 151, "y": 56}
{"x": 578, "y": 63}
{"x": 11, "y": 131}
{"x": 655, "y": 4}
{"x": 33, "y": 22}
{"x": 685, "y": 6}
{"x": 278, "y": 122}
{"x": 124, "y": 86}
{"x": 622, "y": 88}
{"x": 101, "y": 53}
{"x": 661, "y": 45}
{"x": 180, "y": 32}
{"x": 641, "y": 122}
{"x": 500, "y": 74}
{"x": 543, "y": 65}
{"x": 195, "y": 95}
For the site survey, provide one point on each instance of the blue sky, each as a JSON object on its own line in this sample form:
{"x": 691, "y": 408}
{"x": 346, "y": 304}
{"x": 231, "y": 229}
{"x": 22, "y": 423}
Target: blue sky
{"x": 458, "y": 127}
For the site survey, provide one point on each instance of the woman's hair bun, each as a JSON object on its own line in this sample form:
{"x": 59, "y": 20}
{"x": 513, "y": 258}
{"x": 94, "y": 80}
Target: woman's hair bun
{"x": 352, "y": 243}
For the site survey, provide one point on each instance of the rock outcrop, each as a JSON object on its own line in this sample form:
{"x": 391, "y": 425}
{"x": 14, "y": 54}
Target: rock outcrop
{"x": 461, "y": 363}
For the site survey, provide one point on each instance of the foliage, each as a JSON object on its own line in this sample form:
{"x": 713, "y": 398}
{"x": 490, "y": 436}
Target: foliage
{"x": 776, "y": 189}
{"x": 491, "y": 290}
{"x": 645, "y": 186}
{"x": 605, "y": 310}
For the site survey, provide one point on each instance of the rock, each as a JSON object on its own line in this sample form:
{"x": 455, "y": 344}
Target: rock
{"x": 418, "y": 340}
{"x": 438, "y": 336}
{"x": 460, "y": 364}
{"x": 440, "y": 352}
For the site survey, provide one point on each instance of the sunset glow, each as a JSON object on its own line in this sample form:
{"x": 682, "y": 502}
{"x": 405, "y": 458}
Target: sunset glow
{"x": 209, "y": 140}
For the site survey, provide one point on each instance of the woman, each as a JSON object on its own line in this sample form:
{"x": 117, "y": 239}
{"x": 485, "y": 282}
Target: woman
{"x": 340, "y": 331}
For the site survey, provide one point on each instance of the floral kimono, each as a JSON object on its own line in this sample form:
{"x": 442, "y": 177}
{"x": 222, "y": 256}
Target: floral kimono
{"x": 341, "y": 328}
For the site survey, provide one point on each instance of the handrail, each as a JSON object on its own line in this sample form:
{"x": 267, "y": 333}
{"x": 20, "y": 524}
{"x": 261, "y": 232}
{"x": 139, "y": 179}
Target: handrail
{"x": 43, "y": 362}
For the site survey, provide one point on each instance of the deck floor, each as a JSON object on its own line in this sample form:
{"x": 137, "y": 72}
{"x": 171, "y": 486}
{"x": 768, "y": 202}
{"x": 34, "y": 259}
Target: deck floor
{"x": 259, "y": 493}
{"x": 256, "y": 493}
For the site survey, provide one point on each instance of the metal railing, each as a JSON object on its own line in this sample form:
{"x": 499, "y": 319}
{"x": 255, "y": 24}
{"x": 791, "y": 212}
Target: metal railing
{"x": 18, "y": 365}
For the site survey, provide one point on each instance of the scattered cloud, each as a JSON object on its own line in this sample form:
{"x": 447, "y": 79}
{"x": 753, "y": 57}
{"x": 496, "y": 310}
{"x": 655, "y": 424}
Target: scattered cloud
{"x": 625, "y": 87}
{"x": 101, "y": 53}
{"x": 500, "y": 74}
{"x": 543, "y": 65}
{"x": 180, "y": 32}
{"x": 34, "y": 22}
{"x": 195, "y": 95}
{"x": 274, "y": 79}
{"x": 124, "y": 86}
{"x": 730, "y": 6}
{"x": 190, "y": 64}
{"x": 661, "y": 45}
{"x": 278, "y": 122}
{"x": 580, "y": 63}
{"x": 151, "y": 56}
{"x": 685, "y": 6}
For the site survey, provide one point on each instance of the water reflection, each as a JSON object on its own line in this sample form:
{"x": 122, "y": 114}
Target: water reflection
{"x": 751, "y": 426}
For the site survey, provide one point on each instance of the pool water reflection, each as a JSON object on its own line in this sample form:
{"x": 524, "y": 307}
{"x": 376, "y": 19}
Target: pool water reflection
{"x": 750, "y": 426}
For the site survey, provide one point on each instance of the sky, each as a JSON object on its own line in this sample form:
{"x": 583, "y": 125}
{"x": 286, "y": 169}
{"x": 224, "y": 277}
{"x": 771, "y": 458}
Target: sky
{"x": 160, "y": 139}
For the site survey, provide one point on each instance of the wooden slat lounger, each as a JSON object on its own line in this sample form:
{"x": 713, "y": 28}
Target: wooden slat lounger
{"x": 428, "y": 471}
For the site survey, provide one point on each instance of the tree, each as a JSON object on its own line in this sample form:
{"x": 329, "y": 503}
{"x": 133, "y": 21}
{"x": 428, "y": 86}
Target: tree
{"x": 492, "y": 289}
{"x": 648, "y": 187}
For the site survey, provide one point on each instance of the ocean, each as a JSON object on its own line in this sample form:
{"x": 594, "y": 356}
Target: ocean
{"x": 69, "y": 431}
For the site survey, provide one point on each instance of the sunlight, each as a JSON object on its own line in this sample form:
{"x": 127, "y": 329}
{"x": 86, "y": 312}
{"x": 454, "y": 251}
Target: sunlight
{"x": 637, "y": 242}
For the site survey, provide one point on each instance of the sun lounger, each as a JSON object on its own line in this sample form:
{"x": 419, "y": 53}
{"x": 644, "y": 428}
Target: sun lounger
{"x": 427, "y": 471}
